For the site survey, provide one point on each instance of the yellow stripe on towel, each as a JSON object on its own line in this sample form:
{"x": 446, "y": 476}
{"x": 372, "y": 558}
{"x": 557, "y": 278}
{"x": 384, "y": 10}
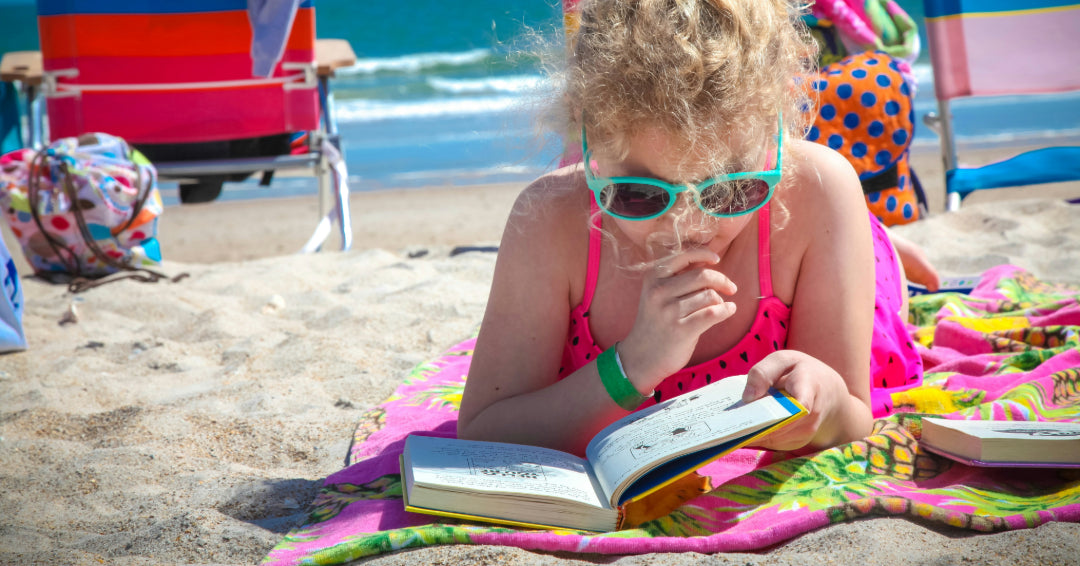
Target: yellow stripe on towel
{"x": 988, "y": 325}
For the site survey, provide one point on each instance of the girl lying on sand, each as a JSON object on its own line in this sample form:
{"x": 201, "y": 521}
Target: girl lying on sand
{"x": 701, "y": 238}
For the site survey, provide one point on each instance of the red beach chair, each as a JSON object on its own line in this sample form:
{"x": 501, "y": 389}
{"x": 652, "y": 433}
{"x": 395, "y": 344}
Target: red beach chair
{"x": 1004, "y": 47}
{"x": 175, "y": 78}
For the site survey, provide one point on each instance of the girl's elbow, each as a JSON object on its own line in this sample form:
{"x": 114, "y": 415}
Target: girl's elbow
{"x": 464, "y": 425}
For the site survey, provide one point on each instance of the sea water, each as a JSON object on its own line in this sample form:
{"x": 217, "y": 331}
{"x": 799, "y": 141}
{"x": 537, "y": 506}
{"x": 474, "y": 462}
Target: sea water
{"x": 446, "y": 93}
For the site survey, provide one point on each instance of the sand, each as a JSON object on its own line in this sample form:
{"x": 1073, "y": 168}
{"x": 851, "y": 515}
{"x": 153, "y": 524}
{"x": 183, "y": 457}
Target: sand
{"x": 193, "y": 422}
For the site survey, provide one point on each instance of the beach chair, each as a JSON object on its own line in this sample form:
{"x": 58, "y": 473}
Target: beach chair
{"x": 1004, "y": 47}
{"x": 178, "y": 80}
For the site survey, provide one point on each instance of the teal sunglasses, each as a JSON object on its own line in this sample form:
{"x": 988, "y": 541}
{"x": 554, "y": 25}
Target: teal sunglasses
{"x": 644, "y": 198}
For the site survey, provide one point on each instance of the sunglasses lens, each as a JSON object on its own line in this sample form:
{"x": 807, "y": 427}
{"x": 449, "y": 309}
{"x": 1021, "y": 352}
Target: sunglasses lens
{"x": 734, "y": 197}
{"x": 634, "y": 200}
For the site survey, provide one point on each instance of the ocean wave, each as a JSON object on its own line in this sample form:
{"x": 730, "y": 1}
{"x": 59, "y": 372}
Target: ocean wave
{"x": 508, "y": 83}
{"x": 416, "y": 62}
{"x": 1007, "y": 139}
{"x": 361, "y": 110}
{"x": 499, "y": 169}
{"x": 924, "y": 74}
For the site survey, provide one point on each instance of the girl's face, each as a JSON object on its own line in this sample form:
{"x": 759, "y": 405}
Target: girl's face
{"x": 653, "y": 153}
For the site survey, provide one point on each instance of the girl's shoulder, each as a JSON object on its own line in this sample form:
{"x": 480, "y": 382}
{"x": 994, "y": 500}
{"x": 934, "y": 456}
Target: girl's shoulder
{"x": 555, "y": 205}
{"x": 820, "y": 183}
{"x": 548, "y": 227}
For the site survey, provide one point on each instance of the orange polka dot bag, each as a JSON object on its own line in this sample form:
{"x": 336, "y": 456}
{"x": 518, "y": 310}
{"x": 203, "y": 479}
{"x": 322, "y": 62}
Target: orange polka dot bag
{"x": 865, "y": 113}
{"x": 85, "y": 206}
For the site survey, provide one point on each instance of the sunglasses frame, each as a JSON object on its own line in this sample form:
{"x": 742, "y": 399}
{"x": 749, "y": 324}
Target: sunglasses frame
{"x": 597, "y": 184}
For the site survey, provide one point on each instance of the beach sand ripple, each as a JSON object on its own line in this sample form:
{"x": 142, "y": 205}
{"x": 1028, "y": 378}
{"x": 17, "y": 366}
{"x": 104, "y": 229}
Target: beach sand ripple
{"x": 194, "y": 422}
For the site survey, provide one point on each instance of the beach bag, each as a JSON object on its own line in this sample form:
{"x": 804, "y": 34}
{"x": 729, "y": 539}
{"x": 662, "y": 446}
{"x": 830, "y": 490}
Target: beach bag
{"x": 12, "y": 337}
{"x": 84, "y": 207}
{"x": 865, "y": 112}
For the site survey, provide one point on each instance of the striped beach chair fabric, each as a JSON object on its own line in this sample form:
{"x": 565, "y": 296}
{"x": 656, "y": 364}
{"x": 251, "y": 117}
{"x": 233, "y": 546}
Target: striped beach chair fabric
{"x": 1002, "y": 47}
{"x": 176, "y": 79}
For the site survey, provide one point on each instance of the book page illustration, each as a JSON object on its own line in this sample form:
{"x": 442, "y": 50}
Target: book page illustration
{"x": 677, "y": 426}
{"x": 500, "y": 467}
{"x": 1038, "y": 432}
{"x": 646, "y": 450}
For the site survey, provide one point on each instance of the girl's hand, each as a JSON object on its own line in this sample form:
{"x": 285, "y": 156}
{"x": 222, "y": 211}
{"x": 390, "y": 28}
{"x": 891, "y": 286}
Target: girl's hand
{"x": 814, "y": 384}
{"x": 917, "y": 267}
{"x": 681, "y": 298}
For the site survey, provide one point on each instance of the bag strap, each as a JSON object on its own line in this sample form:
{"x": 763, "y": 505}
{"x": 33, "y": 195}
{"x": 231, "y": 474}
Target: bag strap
{"x": 82, "y": 283}
{"x": 33, "y": 190}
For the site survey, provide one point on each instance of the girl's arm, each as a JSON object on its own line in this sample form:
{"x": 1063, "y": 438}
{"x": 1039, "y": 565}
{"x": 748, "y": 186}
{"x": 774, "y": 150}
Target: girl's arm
{"x": 513, "y": 394}
{"x": 827, "y": 364}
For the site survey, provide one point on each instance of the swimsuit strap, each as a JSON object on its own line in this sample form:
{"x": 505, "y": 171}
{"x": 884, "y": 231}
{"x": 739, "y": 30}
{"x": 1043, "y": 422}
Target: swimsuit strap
{"x": 592, "y": 272}
{"x": 764, "y": 255}
{"x": 764, "y": 249}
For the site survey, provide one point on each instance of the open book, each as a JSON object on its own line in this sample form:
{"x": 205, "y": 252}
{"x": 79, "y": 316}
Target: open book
{"x": 1030, "y": 444}
{"x": 631, "y": 458}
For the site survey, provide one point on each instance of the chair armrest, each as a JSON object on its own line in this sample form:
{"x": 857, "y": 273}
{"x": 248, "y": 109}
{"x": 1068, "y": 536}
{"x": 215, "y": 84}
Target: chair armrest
{"x": 23, "y": 66}
{"x": 332, "y": 54}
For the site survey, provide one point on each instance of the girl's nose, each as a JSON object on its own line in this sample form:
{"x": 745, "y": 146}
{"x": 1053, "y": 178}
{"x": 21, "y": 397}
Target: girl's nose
{"x": 684, "y": 209}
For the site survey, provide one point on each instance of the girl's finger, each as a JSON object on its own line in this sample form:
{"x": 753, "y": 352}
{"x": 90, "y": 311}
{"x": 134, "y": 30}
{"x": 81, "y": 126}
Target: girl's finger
{"x": 672, "y": 265}
{"x": 705, "y": 318}
{"x": 768, "y": 372}
{"x": 695, "y": 279}
{"x": 689, "y": 304}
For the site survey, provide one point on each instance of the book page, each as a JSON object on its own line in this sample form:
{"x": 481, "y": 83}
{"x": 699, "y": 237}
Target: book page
{"x": 496, "y": 467}
{"x": 707, "y": 416}
{"x": 1019, "y": 430}
{"x": 1004, "y": 443}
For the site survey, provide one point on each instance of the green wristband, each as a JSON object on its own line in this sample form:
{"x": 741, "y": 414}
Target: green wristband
{"x": 615, "y": 381}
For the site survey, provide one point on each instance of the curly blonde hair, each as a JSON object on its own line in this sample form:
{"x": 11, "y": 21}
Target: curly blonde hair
{"x": 696, "y": 69}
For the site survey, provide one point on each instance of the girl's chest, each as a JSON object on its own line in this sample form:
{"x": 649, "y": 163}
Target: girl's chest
{"x": 616, "y": 305}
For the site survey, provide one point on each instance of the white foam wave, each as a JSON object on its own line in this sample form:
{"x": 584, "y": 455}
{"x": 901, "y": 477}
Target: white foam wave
{"x": 374, "y": 110}
{"x": 416, "y": 62}
{"x": 480, "y": 173}
{"x": 924, "y": 75}
{"x": 1008, "y": 139}
{"x": 509, "y": 83}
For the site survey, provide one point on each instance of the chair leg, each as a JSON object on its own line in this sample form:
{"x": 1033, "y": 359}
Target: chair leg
{"x": 948, "y": 154}
{"x": 341, "y": 194}
{"x": 35, "y": 123}
{"x": 333, "y": 182}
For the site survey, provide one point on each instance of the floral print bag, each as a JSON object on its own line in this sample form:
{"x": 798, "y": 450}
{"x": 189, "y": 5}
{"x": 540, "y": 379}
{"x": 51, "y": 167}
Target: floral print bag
{"x": 83, "y": 208}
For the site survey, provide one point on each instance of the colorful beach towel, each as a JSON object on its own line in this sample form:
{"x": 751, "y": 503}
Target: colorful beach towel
{"x": 1009, "y": 351}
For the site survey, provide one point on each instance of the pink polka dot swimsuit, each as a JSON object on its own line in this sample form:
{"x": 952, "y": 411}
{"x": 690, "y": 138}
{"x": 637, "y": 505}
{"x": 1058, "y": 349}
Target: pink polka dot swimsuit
{"x": 894, "y": 364}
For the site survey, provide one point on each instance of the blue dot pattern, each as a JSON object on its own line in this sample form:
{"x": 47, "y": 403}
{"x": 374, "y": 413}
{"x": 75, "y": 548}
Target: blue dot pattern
{"x": 866, "y": 115}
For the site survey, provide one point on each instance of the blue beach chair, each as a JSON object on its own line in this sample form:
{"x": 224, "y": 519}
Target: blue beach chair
{"x": 1002, "y": 47}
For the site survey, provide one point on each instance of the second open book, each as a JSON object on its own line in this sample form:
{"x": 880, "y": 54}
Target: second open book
{"x": 631, "y": 458}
